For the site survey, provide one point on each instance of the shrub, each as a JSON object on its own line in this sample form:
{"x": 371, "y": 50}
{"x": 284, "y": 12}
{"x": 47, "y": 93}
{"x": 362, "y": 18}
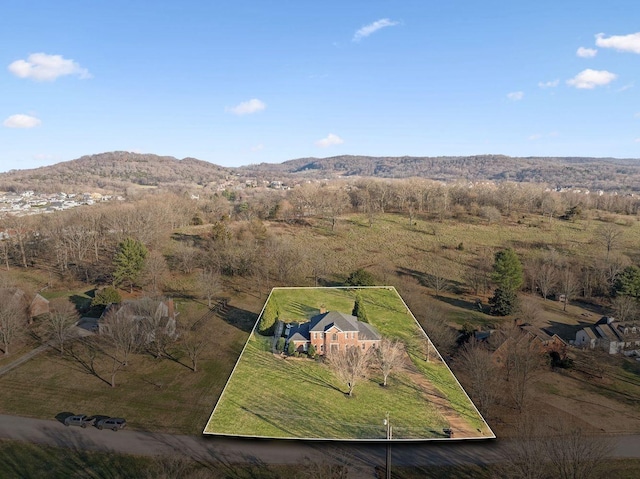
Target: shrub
{"x": 360, "y": 277}
{"x": 106, "y": 296}
{"x": 311, "y": 352}
{"x": 291, "y": 348}
{"x": 280, "y": 344}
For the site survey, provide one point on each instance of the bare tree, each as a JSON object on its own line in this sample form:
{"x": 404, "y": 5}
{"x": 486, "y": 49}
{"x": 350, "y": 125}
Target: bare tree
{"x": 350, "y": 365}
{"x": 155, "y": 268}
{"x": 546, "y": 278}
{"x": 569, "y": 285}
{"x": 13, "y": 319}
{"x": 575, "y": 452}
{"x": 22, "y": 231}
{"x": 524, "y": 456}
{"x": 5, "y": 252}
{"x": 186, "y": 257}
{"x": 625, "y": 308}
{"x": 528, "y": 309}
{"x": 390, "y": 357}
{"x": 554, "y": 446}
{"x": 334, "y": 202}
{"x": 59, "y": 323}
{"x": 434, "y": 322}
{"x": 435, "y": 277}
{"x": 193, "y": 345}
{"x": 209, "y": 285}
{"x": 522, "y": 358}
{"x": 153, "y": 317}
{"x": 608, "y": 235}
{"x": 123, "y": 333}
{"x": 476, "y": 361}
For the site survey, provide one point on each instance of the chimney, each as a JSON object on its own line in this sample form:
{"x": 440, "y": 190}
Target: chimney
{"x": 323, "y": 309}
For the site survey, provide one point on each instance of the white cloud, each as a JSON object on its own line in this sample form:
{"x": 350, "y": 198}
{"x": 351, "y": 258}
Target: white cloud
{"x": 372, "y": 28}
{"x": 549, "y": 84}
{"x": 257, "y": 147}
{"x": 637, "y": 115}
{"x": 589, "y": 79}
{"x": 515, "y": 95}
{"x": 637, "y": 140}
{"x": 248, "y": 107}
{"x": 626, "y": 87}
{"x": 21, "y": 121}
{"x": 623, "y": 43}
{"x": 330, "y": 140}
{"x": 583, "y": 52}
{"x": 43, "y": 67}
{"x": 535, "y": 136}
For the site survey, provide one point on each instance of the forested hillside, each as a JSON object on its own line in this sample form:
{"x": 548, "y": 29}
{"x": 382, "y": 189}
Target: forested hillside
{"x": 115, "y": 171}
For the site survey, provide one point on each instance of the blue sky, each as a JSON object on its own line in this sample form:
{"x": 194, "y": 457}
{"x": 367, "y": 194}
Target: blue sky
{"x": 242, "y": 82}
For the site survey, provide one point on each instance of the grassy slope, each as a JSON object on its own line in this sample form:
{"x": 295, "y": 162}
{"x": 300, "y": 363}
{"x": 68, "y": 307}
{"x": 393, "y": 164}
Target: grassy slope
{"x": 269, "y": 396}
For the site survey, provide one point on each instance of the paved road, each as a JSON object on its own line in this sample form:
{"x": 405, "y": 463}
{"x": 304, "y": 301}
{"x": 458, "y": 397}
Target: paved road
{"x": 361, "y": 457}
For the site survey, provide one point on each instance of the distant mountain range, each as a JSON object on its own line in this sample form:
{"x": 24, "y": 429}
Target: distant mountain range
{"x": 119, "y": 170}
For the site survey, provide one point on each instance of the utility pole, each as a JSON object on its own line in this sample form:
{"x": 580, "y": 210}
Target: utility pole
{"x": 387, "y": 423}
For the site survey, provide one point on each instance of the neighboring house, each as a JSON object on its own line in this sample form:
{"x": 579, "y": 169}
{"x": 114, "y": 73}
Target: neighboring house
{"x": 586, "y": 338}
{"x": 612, "y": 336}
{"x": 537, "y": 339}
{"x": 163, "y": 318}
{"x": 332, "y": 331}
{"x": 37, "y": 306}
{"x": 549, "y": 342}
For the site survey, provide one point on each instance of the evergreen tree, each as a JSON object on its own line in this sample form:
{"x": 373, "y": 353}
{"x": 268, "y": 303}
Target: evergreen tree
{"x": 291, "y": 348}
{"x": 268, "y": 318}
{"x": 359, "y": 310}
{"x": 503, "y": 302}
{"x": 628, "y": 282}
{"x": 311, "y": 352}
{"x": 508, "y": 276}
{"x": 507, "y": 270}
{"x": 129, "y": 262}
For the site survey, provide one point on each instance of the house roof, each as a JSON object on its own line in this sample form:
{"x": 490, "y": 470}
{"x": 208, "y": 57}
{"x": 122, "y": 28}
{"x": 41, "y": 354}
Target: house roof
{"x": 607, "y": 332}
{"x": 299, "y": 332}
{"x": 538, "y": 333}
{"x": 325, "y": 321}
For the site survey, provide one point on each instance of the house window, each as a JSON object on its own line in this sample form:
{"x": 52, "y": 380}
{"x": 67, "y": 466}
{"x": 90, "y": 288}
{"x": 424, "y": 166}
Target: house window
{"x": 353, "y": 335}
{"x": 322, "y": 347}
{"x": 363, "y": 346}
{"x": 335, "y": 337}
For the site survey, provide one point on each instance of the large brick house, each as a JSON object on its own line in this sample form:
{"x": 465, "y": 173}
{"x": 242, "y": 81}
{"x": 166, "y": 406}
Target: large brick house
{"x": 332, "y": 331}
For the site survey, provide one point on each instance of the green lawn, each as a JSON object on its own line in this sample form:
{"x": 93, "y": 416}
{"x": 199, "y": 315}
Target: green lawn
{"x": 269, "y": 396}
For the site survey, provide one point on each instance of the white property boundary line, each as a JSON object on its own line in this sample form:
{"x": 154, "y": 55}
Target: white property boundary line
{"x": 391, "y": 288}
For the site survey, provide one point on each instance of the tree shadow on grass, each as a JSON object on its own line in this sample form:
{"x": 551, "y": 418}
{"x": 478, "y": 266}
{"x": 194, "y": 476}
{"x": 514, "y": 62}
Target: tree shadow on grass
{"x": 300, "y": 374}
{"x": 304, "y": 309}
{"x": 81, "y": 303}
{"x": 84, "y": 357}
{"x": 240, "y": 318}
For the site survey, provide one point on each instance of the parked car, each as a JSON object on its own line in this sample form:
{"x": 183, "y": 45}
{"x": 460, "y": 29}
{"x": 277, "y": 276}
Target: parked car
{"x": 79, "y": 420}
{"x": 114, "y": 423}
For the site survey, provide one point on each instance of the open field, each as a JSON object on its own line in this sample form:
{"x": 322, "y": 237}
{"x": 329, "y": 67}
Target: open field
{"x": 269, "y": 396}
